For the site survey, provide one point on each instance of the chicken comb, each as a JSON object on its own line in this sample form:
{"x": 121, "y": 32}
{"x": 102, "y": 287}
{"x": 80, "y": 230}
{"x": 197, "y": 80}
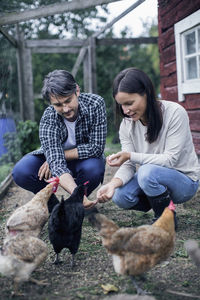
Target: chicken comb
{"x": 53, "y": 179}
{"x": 171, "y": 206}
{"x": 86, "y": 184}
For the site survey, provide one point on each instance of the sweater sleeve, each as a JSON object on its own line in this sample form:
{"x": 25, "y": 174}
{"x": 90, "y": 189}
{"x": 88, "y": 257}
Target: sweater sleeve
{"x": 176, "y": 142}
{"x": 127, "y": 169}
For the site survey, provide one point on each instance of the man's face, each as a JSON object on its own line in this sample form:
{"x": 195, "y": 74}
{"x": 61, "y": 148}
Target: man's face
{"x": 67, "y": 106}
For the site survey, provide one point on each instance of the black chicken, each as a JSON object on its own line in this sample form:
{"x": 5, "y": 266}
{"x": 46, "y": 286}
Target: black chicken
{"x": 65, "y": 223}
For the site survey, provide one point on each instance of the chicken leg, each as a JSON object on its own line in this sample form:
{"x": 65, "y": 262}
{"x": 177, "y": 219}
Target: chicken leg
{"x": 139, "y": 290}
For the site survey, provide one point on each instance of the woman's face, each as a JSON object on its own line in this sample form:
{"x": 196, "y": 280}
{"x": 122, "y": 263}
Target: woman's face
{"x": 133, "y": 105}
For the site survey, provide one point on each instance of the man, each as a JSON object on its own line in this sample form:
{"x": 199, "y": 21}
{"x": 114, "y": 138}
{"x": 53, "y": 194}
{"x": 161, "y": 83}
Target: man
{"x": 72, "y": 135}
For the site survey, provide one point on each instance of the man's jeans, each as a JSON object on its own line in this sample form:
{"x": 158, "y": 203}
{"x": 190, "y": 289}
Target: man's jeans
{"x": 153, "y": 180}
{"x": 25, "y": 172}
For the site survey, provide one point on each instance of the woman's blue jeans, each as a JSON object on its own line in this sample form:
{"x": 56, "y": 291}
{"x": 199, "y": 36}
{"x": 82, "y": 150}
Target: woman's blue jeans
{"x": 25, "y": 172}
{"x": 153, "y": 180}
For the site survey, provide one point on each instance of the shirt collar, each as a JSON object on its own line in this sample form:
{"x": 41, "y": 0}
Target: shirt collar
{"x": 83, "y": 110}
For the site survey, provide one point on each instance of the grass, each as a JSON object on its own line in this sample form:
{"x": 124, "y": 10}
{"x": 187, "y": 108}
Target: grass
{"x": 110, "y": 147}
{"x": 4, "y": 171}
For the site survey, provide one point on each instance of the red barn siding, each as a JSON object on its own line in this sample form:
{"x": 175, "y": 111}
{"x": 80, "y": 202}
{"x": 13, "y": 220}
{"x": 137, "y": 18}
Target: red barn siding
{"x": 169, "y": 13}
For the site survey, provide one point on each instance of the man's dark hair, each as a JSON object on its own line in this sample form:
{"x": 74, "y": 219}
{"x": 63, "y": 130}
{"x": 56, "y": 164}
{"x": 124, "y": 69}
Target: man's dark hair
{"x": 59, "y": 83}
{"x": 135, "y": 81}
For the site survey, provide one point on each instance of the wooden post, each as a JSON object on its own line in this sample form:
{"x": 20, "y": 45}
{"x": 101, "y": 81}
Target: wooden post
{"x": 86, "y": 73}
{"x": 25, "y": 81}
{"x": 19, "y": 74}
{"x": 29, "y": 112}
{"x": 92, "y": 65}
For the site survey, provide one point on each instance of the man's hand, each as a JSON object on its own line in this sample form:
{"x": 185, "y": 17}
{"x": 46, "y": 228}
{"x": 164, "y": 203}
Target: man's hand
{"x": 44, "y": 171}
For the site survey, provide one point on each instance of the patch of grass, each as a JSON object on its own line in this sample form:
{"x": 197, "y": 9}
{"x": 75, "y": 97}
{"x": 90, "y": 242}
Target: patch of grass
{"x": 110, "y": 147}
{"x": 181, "y": 252}
{"x": 4, "y": 171}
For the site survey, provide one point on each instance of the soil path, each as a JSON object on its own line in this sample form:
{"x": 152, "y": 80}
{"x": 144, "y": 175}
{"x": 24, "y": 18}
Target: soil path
{"x": 94, "y": 266}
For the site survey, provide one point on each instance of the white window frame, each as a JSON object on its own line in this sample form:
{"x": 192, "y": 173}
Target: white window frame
{"x": 191, "y": 86}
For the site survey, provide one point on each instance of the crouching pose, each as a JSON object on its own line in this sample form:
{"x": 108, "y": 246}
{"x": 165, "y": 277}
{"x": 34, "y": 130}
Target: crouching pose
{"x": 72, "y": 135}
{"x": 158, "y": 161}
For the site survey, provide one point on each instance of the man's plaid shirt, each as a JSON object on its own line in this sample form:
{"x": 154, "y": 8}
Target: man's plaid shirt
{"x": 90, "y": 132}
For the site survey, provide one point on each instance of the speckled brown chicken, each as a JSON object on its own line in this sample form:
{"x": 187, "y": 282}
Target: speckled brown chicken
{"x": 136, "y": 250}
{"x": 32, "y": 216}
{"x": 20, "y": 256}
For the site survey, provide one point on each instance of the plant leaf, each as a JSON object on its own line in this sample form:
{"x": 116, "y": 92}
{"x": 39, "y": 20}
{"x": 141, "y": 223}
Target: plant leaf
{"x": 107, "y": 288}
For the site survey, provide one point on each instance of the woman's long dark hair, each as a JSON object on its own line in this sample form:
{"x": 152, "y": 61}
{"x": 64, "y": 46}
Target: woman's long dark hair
{"x": 131, "y": 81}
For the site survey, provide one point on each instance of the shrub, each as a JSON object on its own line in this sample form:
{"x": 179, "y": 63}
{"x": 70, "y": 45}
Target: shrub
{"x": 28, "y": 136}
{"x": 4, "y": 171}
{"x": 21, "y": 142}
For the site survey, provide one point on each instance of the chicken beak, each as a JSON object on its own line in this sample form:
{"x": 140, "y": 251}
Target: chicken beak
{"x": 55, "y": 187}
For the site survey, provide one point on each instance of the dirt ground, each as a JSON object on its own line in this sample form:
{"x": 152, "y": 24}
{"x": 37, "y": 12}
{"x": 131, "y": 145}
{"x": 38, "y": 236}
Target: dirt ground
{"x": 177, "y": 278}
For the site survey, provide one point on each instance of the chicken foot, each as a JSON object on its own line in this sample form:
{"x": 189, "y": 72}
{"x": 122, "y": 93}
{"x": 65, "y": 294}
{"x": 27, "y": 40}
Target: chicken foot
{"x": 15, "y": 291}
{"x": 73, "y": 261}
{"x": 39, "y": 282}
{"x": 139, "y": 290}
{"x": 57, "y": 260}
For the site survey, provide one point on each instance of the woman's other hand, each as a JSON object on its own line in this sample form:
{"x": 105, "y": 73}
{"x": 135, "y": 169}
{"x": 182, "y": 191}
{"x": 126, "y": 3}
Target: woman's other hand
{"x": 44, "y": 171}
{"x": 116, "y": 160}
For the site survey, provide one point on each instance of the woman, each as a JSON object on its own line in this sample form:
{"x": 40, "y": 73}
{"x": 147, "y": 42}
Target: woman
{"x": 158, "y": 161}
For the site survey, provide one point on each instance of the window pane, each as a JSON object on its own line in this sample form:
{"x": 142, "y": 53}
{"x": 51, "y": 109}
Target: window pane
{"x": 191, "y": 68}
{"x": 190, "y": 43}
{"x": 199, "y": 39}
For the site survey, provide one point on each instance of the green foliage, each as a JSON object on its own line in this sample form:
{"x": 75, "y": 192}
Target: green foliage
{"x": 21, "y": 142}
{"x": 4, "y": 171}
{"x": 28, "y": 136}
{"x": 110, "y": 147}
{"x": 12, "y": 144}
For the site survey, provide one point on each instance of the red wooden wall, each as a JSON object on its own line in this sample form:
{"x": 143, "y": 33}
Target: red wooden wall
{"x": 169, "y": 13}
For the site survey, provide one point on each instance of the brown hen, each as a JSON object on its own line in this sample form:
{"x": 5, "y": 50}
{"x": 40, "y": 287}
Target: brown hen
{"x": 32, "y": 216}
{"x": 137, "y": 250}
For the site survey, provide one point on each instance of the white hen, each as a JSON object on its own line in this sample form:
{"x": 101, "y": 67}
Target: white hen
{"x": 20, "y": 256}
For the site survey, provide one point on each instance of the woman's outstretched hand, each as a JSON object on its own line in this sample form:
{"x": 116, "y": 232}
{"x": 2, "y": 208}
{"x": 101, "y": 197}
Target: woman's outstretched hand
{"x": 116, "y": 160}
{"x": 105, "y": 193}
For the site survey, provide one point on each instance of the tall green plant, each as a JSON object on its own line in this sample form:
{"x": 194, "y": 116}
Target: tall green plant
{"x": 28, "y": 136}
{"x": 12, "y": 144}
{"x": 21, "y": 142}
